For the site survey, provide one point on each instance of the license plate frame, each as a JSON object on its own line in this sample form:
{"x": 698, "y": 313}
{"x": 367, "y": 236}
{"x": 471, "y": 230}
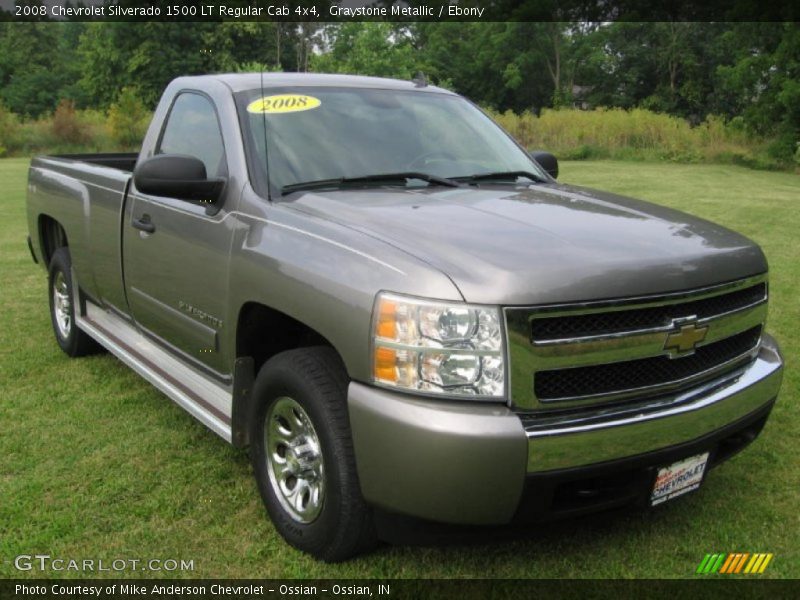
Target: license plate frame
{"x": 679, "y": 478}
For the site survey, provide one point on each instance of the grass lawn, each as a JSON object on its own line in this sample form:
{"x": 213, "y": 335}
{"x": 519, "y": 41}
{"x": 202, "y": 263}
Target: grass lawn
{"x": 97, "y": 464}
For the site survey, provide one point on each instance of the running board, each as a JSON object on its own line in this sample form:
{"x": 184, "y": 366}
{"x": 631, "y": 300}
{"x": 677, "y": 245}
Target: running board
{"x": 206, "y": 400}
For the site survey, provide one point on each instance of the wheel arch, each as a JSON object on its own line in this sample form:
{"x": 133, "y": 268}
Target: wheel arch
{"x": 52, "y": 236}
{"x": 261, "y": 333}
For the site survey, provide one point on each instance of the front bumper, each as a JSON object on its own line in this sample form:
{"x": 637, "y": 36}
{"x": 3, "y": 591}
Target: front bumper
{"x": 470, "y": 463}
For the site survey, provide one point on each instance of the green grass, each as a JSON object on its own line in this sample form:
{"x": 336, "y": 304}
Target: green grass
{"x": 97, "y": 464}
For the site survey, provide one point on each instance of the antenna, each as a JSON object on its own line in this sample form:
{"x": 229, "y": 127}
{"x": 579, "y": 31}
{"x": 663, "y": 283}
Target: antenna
{"x": 420, "y": 80}
{"x": 266, "y": 146}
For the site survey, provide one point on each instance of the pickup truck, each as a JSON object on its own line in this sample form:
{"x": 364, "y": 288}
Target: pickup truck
{"x": 400, "y": 311}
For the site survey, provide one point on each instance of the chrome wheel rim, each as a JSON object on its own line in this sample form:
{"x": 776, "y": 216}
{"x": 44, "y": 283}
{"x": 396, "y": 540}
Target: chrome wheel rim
{"x": 294, "y": 460}
{"x": 62, "y": 305}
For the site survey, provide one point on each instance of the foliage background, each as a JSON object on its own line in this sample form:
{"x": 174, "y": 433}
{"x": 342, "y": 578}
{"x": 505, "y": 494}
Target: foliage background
{"x": 739, "y": 83}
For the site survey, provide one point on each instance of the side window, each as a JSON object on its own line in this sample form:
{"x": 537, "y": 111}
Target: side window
{"x": 192, "y": 128}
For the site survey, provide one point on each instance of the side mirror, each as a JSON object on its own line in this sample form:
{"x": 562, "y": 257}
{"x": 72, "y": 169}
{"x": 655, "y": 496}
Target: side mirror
{"x": 547, "y": 161}
{"x": 177, "y": 176}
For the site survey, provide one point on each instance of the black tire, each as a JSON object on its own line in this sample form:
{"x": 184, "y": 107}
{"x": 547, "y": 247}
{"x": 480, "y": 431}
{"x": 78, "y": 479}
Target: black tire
{"x": 73, "y": 341}
{"x": 315, "y": 379}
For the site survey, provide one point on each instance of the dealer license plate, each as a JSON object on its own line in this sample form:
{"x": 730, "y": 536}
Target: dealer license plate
{"x": 679, "y": 478}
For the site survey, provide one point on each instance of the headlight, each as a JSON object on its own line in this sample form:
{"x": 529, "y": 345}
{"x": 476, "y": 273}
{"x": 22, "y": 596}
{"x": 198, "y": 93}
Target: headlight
{"x": 438, "y": 347}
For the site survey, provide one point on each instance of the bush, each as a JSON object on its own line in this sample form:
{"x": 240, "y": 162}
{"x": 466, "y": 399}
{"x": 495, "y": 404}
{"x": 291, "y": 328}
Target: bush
{"x": 67, "y": 126}
{"x": 128, "y": 119}
{"x": 783, "y": 148}
{"x": 584, "y": 152}
{"x": 570, "y": 134}
{"x": 9, "y": 131}
{"x": 254, "y": 66}
{"x": 637, "y": 134}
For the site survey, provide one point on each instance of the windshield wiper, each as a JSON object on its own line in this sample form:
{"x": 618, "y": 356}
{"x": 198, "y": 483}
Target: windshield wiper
{"x": 383, "y": 178}
{"x": 500, "y": 175}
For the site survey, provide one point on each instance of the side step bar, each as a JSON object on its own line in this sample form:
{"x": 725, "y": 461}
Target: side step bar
{"x": 206, "y": 400}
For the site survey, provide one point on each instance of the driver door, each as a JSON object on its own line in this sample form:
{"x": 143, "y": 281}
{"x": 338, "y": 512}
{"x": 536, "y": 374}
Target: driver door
{"x": 176, "y": 268}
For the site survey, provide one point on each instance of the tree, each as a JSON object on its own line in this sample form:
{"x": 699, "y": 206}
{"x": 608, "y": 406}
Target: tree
{"x": 761, "y": 81}
{"x": 150, "y": 55}
{"x": 664, "y": 66}
{"x": 497, "y": 64}
{"x": 232, "y": 44}
{"x": 35, "y": 65}
{"x": 102, "y": 63}
{"x": 377, "y": 49}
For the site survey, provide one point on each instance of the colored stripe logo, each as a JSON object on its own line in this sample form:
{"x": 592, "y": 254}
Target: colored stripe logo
{"x": 736, "y": 562}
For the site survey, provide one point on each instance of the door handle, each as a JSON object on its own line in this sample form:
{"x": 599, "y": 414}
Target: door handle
{"x": 144, "y": 224}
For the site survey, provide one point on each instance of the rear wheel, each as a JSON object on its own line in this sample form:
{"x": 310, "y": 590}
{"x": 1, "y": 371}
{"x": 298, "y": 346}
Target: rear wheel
{"x": 302, "y": 455}
{"x": 73, "y": 341}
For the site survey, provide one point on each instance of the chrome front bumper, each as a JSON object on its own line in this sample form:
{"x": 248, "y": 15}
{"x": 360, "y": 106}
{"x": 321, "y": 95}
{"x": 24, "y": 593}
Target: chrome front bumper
{"x": 567, "y": 442}
{"x": 468, "y": 463}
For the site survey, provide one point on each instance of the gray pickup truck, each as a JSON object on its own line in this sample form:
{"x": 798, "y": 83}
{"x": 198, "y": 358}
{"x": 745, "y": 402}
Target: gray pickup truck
{"x": 400, "y": 311}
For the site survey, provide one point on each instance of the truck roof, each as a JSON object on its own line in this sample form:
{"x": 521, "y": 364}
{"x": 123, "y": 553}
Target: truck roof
{"x": 238, "y": 82}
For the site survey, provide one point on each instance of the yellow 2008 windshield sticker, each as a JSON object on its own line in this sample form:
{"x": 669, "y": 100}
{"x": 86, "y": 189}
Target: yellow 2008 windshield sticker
{"x": 283, "y": 103}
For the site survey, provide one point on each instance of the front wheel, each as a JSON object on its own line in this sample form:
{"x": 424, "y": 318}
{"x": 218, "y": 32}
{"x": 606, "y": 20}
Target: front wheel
{"x": 302, "y": 455}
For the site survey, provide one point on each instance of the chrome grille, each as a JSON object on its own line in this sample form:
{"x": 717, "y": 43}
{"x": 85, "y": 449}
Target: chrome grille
{"x": 642, "y": 318}
{"x": 566, "y": 356}
{"x": 562, "y": 384}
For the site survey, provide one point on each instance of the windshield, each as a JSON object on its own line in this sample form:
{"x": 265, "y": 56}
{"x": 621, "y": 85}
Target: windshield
{"x": 311, "y": 134}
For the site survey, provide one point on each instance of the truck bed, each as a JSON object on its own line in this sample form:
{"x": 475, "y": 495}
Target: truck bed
{"x": 85, "y": 193}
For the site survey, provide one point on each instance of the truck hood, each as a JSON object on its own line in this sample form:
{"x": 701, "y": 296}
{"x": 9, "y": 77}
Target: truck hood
{"x": 546, "y": 243}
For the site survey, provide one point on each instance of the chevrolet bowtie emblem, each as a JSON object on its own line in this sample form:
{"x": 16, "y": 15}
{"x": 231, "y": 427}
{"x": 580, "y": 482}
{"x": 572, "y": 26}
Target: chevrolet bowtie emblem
{"x": 685, "y": 338}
